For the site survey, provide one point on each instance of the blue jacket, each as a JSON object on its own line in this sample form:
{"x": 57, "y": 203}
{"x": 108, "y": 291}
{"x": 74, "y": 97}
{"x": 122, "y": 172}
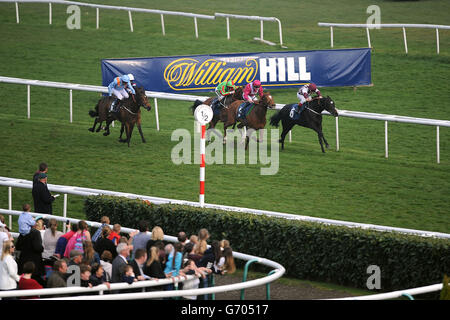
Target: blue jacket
{"x": 177, "y": 266}
{"x": 119, "y": 83}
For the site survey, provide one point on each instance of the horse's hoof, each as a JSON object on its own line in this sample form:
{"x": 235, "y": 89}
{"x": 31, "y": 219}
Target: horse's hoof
{"x": 106, "y": 134}
{"x": 91, "y": 129}
{"x": 143, "y": 141}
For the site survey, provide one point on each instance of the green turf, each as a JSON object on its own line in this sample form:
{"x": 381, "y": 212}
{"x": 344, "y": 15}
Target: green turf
{"x": 409, "y": 189}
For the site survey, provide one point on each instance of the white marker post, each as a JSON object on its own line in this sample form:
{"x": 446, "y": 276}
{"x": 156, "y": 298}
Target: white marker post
{"x": 203, "y": 114}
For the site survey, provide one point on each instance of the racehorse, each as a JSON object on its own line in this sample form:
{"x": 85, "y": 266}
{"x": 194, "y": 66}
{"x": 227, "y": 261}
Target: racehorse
{"x": 310, "y": 117}
{"x": 129, "y": 114}
{"x": 225, "y": 112}
{"x": 256, "y": 117}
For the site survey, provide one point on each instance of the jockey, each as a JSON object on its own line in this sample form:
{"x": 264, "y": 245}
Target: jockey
{"x": 304, "y": 93}
{"x": 224, "y": 89}
{"x": 119, "y": 87}
{"x": 251, "y": 90}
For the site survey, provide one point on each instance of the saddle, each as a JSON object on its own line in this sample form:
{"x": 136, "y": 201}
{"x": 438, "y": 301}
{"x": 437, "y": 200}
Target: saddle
{"x": 295, "y": 112}
{"x": 244, "y": 109}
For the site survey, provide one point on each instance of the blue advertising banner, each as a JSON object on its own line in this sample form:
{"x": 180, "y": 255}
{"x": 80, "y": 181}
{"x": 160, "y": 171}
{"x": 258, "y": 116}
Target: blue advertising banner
{"x": 183, "y": 74}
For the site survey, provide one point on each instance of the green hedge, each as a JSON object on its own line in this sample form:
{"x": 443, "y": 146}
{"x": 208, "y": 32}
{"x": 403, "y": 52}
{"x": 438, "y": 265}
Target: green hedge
{"x": 307, "y": 250}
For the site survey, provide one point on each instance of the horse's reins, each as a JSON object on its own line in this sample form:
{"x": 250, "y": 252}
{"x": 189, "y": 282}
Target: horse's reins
{"x": 313, "y": 110}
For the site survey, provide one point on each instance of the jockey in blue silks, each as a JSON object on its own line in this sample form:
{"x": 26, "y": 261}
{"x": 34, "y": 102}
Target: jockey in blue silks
{"x": 119, "y": 87}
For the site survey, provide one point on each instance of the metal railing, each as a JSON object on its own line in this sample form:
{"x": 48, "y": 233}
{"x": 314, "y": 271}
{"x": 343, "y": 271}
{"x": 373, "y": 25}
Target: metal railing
{"x": 108, "y": 7}
{"x": 183, "y": 97}
{"x": 276, "y": 273}
{"x": 162, "y": 13}
{"x": 227, "y": 16}
{"x": 19, "y": 183}
{"x": 384, "y": 25}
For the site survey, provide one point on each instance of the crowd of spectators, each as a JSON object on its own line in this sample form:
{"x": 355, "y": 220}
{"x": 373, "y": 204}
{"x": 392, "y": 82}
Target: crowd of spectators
{"x": 108, "y": 256}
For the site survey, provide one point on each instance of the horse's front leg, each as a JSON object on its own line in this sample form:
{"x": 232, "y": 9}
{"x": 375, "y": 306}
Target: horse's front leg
{"x": 122, "y": 128}
{"x": 93, "y": 127}
{"x": 140, "y": 132}
{"x": 320, "y": 136}
{"x": 129, "y": 132}
{"x": 106, "y": 133}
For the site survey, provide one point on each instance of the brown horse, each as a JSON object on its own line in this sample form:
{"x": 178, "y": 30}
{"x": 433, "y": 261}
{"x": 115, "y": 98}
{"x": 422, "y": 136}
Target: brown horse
{"x": 225, "y": 112}
{"x": 129, "y": 114}
{"x": 256, "y": 117}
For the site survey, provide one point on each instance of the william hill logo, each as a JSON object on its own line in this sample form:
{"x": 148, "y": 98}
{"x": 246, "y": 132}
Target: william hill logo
{"x": 191, "y": 74}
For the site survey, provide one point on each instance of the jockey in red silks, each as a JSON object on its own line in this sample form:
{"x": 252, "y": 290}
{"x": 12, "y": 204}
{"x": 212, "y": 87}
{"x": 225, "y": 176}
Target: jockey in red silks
{"x": 304, "y": 93}
{"x": 251, "y": 91}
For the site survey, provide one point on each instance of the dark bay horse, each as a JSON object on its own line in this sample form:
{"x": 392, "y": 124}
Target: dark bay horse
{"x": 311, "y": 117}
{"x": 256, "y": 117}
{"x": 129, "y": 114}
{"x": 225, "y": 112}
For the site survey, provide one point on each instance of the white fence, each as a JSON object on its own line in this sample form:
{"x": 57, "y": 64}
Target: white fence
{"x": 162, "y": 13}
{"x": 260, "y": 19}
{"x": 80, "y": 191}
{"x": 278, "y": 271}
{"x": 182, "y": 97}
{"x": 384, "y": 25}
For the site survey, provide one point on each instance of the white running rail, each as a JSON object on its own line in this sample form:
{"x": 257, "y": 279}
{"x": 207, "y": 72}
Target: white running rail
{"x": 385, "y": 25}
{"x": 19, "y": 183}
{"x": 183, "y": 97}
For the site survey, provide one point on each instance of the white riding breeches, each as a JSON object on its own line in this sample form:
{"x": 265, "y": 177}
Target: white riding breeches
{"x": 120, "y": 94}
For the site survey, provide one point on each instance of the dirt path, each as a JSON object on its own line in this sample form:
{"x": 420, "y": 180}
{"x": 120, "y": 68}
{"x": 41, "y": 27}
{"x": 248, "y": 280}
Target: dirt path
{"x": 278, "y": 291}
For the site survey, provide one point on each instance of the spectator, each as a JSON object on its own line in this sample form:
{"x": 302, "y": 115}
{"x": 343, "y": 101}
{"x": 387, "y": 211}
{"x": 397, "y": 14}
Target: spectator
{"x": 8, "y": 267}
{"x": 138, "y": 263}
{"x": 128, "y": 274}
{"x": 26, "y": 220}
{"x": 50, "y": 240}
{"x": 104, "y": 243}
{"x": 120, "y": 262}
{"x": 41, "y": 196}
{"x": 76, "y": 241}
{"x": 4, "y": 234}
{"x": 61, "y": 244}
{"x": 76, "y": 257}
{"x": 153, "y": 267}
{"x": 58, "y": 277}
{"x": 105, "y": 261}
{"x": 174, "y": 261}
{"x": 224, "y": 243}
{"x": 40, "y": 226}
{"x": 26, "y": 283}
{"x": 193, "y": 239}
{"x": 140, "y": 240}
{"x": 189, "y": 253}
{"x": 114, "y": 236}
{"x": 30, "y": 247}
{"x": 2, "y": 222}
{"x": 85, "y": 275}
{"x": 201, "y": 246}
{"x": 98, "y": 275}
{"x": 182, "y": 238}
{"x": 43, "y": 168}
{"x": 226, "y": 262}
{"x": 105, "y": 222}
{"x": 162, "y": 253}
{"x": 157, "y": 234}
{"x": 212, "y": 255}
{"x": 90, "y": 256}
{"x": 190, "y": 268}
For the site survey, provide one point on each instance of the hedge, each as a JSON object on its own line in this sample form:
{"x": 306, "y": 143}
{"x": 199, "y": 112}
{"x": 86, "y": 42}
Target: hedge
{"x": 309, "y": 251}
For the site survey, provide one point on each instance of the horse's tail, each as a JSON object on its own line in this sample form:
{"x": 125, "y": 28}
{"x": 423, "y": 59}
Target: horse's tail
{"x": 195, "y": 105}
{"x": 275, "y": 119}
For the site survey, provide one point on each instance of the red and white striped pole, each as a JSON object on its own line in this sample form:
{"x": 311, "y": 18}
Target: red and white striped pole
{"x": 202, "y": 166}
{"x": 203, "y": 114}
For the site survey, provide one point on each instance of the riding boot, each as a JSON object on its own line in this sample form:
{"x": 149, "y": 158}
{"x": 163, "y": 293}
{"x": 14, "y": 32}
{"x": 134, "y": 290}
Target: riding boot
{"x": 113, "y": 106}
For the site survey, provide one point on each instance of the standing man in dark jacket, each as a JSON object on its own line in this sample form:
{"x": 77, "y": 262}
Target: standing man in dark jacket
{"x": 41, "y": 196}
{"x": 43, "y": 168}
{"x": 30, "y": 247}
